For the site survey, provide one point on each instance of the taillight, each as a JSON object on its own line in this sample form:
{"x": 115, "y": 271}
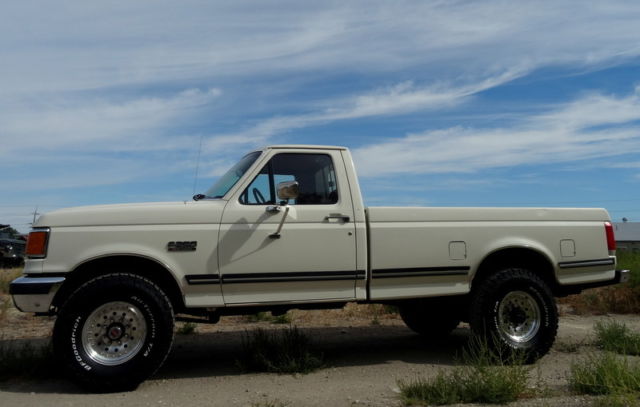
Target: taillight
{"x": 37, "y": 243}
{"x": 611, "y": 239}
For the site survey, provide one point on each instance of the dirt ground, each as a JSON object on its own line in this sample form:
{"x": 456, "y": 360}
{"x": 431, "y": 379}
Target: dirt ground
{"x": 366, "y": 352}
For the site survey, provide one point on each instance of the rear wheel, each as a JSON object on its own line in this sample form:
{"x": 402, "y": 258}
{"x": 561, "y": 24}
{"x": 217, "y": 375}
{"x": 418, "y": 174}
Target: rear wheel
{"x": 114, "y": 332}
{"x": 515, "y": 310}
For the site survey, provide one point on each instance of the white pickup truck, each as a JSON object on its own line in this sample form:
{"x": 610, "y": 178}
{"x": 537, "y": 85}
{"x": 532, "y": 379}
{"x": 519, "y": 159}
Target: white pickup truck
{"x": 286, "y": 228}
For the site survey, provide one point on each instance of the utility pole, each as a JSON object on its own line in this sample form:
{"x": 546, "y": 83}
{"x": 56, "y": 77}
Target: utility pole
{"x": 35, "y": 213}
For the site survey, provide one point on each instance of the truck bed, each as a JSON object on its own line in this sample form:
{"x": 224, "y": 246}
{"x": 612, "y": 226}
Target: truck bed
{"x": 418, "y": 251}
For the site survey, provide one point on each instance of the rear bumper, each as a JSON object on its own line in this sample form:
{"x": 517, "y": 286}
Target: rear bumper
{"x": 34, "y": 294}
{"x": 621, "y": 276}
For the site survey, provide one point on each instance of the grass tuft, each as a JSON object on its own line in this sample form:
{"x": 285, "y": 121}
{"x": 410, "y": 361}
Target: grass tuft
{"x": 187, "y": 328}
{"x": 281, "y": 319}
{"x": 259, "y": 317}
{"x": 616, "y": 337}
{"x": 278, "y": 351}
{"x": 605, "y": 374}
{"x": 268, "y": 317}
{"x": 487, "y": 376}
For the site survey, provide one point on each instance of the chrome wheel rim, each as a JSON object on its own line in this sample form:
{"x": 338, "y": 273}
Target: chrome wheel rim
{"x": 518, "y": 317}
{"x": 114, "y": 333}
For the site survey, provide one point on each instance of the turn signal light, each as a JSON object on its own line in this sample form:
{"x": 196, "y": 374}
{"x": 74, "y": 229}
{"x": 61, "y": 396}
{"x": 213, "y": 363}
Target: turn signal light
{"x": 37, "y": 244}
{"x": 611, "y": 240}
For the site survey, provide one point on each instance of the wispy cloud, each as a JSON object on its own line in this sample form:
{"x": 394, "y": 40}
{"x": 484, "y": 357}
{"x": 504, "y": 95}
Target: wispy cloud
{"x": 399, "y": 99}
{"x": 115, "y": 93}
{"x": 95, "y": 125}
{"x": 135, "y": 43}
{"x": 569, "y": 133}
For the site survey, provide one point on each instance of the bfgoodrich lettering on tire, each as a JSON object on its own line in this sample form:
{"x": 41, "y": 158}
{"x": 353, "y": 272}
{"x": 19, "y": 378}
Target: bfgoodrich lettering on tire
{"x": 113, "y": 332}
{"x": 515, "y": 309}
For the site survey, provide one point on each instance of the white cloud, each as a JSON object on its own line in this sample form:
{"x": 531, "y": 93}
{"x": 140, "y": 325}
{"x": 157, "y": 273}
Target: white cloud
{"x": 58, "y": 63}
{"x": 95, "y": 125}
{"x": 97, "y": 79}
{"x": 569, "y": 133}
{"x": 402, "y": 98}
{"x": 101, "y": 45}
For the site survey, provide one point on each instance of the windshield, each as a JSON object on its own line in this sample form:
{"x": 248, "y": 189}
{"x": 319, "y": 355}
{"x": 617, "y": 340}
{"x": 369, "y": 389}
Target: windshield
{"x": 229, "y": 179}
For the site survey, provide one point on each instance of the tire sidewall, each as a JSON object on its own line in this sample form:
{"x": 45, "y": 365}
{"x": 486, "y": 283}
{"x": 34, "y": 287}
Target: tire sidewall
{"x": 543, "y": 306}
{"x": 127, "y": 375}
{"x": 487, "y": 304}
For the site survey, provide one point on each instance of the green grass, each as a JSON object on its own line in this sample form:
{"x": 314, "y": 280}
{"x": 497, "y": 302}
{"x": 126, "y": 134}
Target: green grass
{"x": 616, "y": 337}
{"x": 485, "y": 377}
{"x": 630, "y": 261}
{"x": 26, "y": 361}
{"x": 187, "y": 328}
{"x": 281, "y": 319}
{"x": 268, "y": 317}
{"x": 278, "y": 351}
{"x": 259, "y": 317}
{"x": 606, "y": 373}
{"x": 619, "y": 298}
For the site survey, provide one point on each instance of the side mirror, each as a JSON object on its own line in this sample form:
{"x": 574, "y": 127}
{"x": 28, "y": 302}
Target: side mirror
{"x": 288, "y": 190}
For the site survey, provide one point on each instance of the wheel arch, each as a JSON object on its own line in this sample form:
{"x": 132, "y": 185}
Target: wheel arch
{"x": 525, "y": 257}
{"x": 143, "y": 266}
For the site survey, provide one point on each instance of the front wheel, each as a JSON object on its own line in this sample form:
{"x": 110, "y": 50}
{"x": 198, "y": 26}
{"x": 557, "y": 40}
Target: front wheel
{"x": 113, "y": 332}
{"x": 515, "y": 310}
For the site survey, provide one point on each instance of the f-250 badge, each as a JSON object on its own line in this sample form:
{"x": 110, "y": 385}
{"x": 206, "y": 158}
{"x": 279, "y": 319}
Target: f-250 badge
{"x": 182, "y": 246}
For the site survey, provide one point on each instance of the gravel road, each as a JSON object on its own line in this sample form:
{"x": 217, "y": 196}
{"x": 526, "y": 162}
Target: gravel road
{"x": 363, "y": 364}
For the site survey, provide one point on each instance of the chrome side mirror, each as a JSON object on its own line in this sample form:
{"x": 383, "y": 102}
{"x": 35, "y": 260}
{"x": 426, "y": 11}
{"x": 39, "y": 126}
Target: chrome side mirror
{"x": 288, "y": 190}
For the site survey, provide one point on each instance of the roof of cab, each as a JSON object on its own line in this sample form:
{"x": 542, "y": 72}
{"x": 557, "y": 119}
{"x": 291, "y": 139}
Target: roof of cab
{"x": 302, "y": 146}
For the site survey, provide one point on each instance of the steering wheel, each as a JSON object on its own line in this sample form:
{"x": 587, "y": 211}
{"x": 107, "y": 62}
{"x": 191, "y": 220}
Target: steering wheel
{"x": 258, "y": 196}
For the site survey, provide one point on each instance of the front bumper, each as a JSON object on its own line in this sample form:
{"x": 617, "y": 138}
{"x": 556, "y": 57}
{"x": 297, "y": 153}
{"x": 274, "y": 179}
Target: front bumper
{"x": 34, "y": 294}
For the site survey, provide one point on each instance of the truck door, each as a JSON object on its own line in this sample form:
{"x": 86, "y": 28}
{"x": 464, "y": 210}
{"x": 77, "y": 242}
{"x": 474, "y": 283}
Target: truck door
{"x": 314, "y": 257}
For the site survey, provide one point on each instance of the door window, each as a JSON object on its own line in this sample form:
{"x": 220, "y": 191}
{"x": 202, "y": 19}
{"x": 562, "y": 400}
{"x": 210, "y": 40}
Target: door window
{"x": 315, "y": 174}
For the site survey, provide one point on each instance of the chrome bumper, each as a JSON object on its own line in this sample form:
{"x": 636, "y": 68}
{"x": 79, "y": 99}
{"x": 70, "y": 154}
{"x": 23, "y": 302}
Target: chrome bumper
{"x": 34, "y": 294}
{"x": 622, "y": 276}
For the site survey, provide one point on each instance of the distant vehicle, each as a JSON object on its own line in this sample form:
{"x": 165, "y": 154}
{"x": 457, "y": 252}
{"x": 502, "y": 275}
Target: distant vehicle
{"x": 11, "y": 252}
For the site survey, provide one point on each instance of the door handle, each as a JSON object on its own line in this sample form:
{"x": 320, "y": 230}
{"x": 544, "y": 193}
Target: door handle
{"x": 344, "y": 218}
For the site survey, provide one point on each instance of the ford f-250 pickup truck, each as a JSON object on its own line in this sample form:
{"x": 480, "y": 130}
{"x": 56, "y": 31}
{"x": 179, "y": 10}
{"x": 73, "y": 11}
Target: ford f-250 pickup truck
{"x": 286, "y": 228}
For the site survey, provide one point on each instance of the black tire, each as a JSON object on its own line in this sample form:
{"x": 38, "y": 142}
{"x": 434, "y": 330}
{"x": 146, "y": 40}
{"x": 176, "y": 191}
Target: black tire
{"x": 514, "y": 309}
{"x": 128, "y": 347}
{"x": 430, "y": 318}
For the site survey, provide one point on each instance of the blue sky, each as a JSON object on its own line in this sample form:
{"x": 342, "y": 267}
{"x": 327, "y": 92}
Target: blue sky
{"x": 443, "y": 103}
